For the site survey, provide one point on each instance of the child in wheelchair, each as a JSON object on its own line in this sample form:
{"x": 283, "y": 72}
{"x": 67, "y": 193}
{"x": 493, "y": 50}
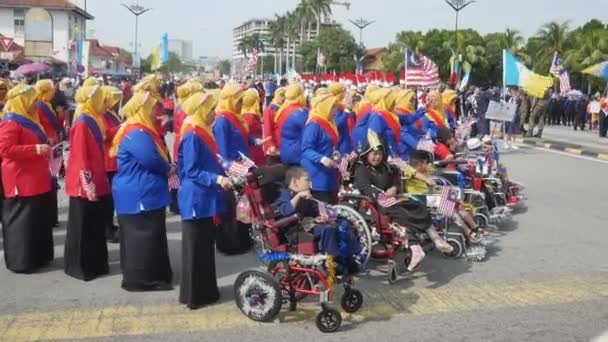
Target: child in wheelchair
{"x": 419, "y": 184}
{"x": 317, "y": 221}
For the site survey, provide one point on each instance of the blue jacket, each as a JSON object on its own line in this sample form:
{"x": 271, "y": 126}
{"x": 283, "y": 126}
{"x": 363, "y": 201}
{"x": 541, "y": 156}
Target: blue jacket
{"x": 229, "y": 140}
{"x": 410, "y": 133}
{"x": 359, "y": 137}
{"x": 140, "y": 184}
{"x": 291, "y": 137}
{"x": 451, "y": 121}
{"x": 344, "y": 145}
{"x": 381, "y": 127}
{"x": 199, "y": 194}
{"x": 316, "y": 144}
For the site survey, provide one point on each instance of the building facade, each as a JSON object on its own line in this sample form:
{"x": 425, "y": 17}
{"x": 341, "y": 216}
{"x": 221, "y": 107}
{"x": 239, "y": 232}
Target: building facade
{"x": 47, "y": 29}
{"x": 183, "y": 49}
{"x": 108, "y": 60}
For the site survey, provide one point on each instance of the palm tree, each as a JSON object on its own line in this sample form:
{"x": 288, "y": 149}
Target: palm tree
{"x": 410, "y": 40}
{"x": 276, "y": 37}
{"x": 321, "y": 8}
{"x": 552, "y": 37}
{"x": 306, "y": 14}
{"x": 512, "y": 40}
{"x": 292, "y": 25}
{"x": 246, "y": 43}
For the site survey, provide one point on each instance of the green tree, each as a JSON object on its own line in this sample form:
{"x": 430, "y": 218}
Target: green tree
{"x": 276, "y": 37}
{"x": 337, "y": 44}
{"x": 552, "y": 37}
{"x": 224, "y": 66}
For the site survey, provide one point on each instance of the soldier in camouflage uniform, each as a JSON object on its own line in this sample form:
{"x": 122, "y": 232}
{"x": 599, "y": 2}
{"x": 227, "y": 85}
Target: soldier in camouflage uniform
{"x": 538, "y": 115}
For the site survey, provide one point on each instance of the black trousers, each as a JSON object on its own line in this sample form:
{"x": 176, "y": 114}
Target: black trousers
{"x": 325, "y": 196}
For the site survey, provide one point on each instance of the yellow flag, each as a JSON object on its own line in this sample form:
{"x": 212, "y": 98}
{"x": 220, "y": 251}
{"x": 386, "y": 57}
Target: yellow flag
{"x": 155, "y": 60}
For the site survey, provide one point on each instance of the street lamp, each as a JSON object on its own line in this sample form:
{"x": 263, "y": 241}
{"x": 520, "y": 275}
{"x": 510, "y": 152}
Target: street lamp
{"x": 457, "y": 6}
{"x": 136, "y": 10}
{"x": 361, "y": 24}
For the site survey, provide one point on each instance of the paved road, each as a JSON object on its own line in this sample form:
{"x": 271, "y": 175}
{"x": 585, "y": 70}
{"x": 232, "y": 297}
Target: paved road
{"x": 546, "y": 280}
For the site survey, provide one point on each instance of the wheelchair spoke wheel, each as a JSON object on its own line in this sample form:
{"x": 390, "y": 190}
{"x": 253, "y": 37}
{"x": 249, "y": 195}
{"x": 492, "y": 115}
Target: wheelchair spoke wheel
{"x": 329, "y": 320}
{"x": 258, "y": 295}
{"x": 352, "y": 300}
{"x": 361, "y": 226}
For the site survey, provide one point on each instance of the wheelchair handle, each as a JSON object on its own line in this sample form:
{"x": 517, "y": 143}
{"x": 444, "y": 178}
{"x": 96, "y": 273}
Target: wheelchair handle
{"x": 285, "y": 221}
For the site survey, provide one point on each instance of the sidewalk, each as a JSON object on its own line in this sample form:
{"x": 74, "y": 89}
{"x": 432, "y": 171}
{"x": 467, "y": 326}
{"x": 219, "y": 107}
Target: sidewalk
{"x": 568, "y": 140}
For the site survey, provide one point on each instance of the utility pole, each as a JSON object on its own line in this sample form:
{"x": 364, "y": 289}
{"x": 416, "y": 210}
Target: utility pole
{"x": 457, "y": 6}
{"x": 136, "y": 10}
{"x": 361, "y": 24}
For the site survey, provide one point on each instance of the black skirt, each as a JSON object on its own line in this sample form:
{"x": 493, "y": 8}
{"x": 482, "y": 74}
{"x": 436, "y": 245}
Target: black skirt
{"x": 144, "y": 253}
{"x": 53, "y": 208}
{"x": 86, "y": 252}
{"x": 109, "y": 208}
{"x": 198, "y": 285}
{"x": 233, "y": 237}
{"x": 27, "y": 233}
{"x": 411, "y": 214}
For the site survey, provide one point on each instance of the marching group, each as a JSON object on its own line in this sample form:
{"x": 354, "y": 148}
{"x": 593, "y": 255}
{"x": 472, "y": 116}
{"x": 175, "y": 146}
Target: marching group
{"x": 119, "y": 162}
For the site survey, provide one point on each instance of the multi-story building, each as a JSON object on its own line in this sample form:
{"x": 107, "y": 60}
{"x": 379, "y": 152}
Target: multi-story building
{"x": 183, "y": 49}
{"x": 108, "y": 60}
{"x": 47, "y": 29}
{"x": 261, "y": 27}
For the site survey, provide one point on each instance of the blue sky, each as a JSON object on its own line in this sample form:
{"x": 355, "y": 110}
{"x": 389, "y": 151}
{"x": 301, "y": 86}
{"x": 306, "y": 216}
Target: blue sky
{"x": 209, "y": 23}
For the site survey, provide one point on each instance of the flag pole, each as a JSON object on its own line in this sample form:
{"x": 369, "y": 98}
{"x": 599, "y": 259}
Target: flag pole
{"x": 405, "y": 68}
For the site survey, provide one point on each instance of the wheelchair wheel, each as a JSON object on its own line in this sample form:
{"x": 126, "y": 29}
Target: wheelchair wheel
{"x": 328, "y": 320}
{"x": 458, "y": 248}
{"x": 481, "y": 220}
{"x": 303, "y": 282}
{"x": 351, "y": 300}
{"x": 258, "y": 295}
{"x": 359, "y": 223}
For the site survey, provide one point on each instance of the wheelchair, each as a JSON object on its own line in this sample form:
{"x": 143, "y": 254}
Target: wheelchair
{"x": 295, "y": 270}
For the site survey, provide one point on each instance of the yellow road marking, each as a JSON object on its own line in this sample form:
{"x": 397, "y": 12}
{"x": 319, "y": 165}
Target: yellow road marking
{"x": 602, "y": 156}
{"x": 573, "y": 150}
{"x": 383, "y": 302}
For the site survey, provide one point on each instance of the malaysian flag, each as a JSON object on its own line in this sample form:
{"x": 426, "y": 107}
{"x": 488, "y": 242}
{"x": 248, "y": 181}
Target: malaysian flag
{"x": 173, "y": 182}
{"x": 559, "y": 70}
{"x": 324, "y": 216}
{"x": 420, "y": 71}
{"x": 344, "y": 161}
{"x": 86, "y": 181}
{"x": 447, "y": 202}
{"x": 386, "y": 201}
{"x": 246, "y": 161}
{"x": 426, "y": 144}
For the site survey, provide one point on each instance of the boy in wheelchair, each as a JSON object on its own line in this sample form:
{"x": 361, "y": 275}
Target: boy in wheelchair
{"x": 417, "y": 185}
{"x": 316, "y": 222}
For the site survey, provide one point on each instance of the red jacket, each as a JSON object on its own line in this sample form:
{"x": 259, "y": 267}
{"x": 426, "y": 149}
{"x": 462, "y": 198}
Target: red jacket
{"x": 86, "y": 166}
{"x": 178, "y": 121}
{"x": 268, "y": 129}
{"x": 49, "y": 121}
{"x": 255, "y": 131}
{"x": 112, "y": 125}
{"x": 24, "y": 172}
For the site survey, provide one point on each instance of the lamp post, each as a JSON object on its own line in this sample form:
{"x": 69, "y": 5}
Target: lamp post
{"x": 136, "y": 10}
{"x": 361, "y": 24}
{"x": 457, "y": 6}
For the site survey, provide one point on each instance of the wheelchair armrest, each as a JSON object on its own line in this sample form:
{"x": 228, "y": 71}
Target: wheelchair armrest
{"x": 285, "y": 221}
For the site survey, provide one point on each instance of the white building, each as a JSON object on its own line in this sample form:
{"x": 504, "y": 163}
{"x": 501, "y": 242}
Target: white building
{"x": 261, "y": 27}
{"x": 46, "y": 28}
{"x": 183, "y": 49}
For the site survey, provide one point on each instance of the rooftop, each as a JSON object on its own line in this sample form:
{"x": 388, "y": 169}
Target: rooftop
{"x": 48, "y": 4}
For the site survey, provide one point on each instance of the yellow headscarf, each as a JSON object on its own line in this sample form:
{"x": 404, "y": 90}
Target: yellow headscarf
{"x": 337, "y": 90}
{"x": 198, "y": 107}
{"x": 448, "y": 98}
{"x": 111, "y": 96}
{"x": 4, "y": 88}
{"x": 138, "y": 112}
{"x": 251, "y": 102}
{"x": 45, "y": 90}
{"x": 322, "y": 107}
{"x": 438, "y": 108}
{"x": 230, "y": 96}
{"x": 277, "y": 96}
{"x": 150, "y": 84}
{"x": 321, "y": 92}
{"x": 404, "y": 101}
{"x": 90, "y": 101}
{"x": 91, "y": 81}
{"x": 294, "y": 94}
{"x": 369, "y": 91}
{"x": 20, "y": 100}
{"x": 386, "y": 102}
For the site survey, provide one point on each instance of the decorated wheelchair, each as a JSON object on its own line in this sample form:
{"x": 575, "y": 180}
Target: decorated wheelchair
{"x": 296, "y": 270}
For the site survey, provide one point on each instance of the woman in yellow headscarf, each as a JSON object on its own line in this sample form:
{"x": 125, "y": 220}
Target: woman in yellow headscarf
{"x": 252, "y": 116}
{"x": 151, "y": 84}
{"x": 345, "y": 120}
{"x": 364, "y": 113}
{"x": 201, "y": 198}
{"x": 4, "y": 87}
{"x": 230, "y": 129}
{"x": 435, "y": 112}
{"x": 449, "y": 98}
{"x": 26, "y": 180}
{"x": 111, "y": 120}
{"x": 385, "y": 121}
{"x": 412, "y": 125}
{"x": 86, "y": 182}
{"x": 183, "y": 92}
{"x": 319, "y": 143}
{"x": 271, "y": 146}
{"x": 289, "y": 125}
{"x": 141, "y": 193}
{"x": 48, "y": 118}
